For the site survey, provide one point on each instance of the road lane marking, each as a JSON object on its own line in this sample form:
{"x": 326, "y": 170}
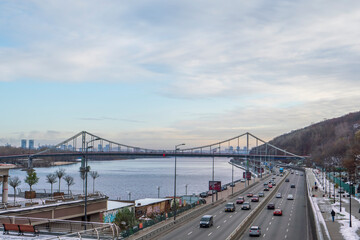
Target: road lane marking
{"x": 264, "y": 235}
{"x": 267, "y": 229}
{"x": 289, "y": 219}
{"x": 287, "y": 230}
{"x": 214, "y": 215}
{"x": 285, "y": 236}
{"x": 288, "y": 224}
{"x": 225, "y": 221}
{"x": 210, "y": 234}
{"x": 189, "y": 233}
{"x": 231, "y": 216}
{"x": 272, "y": 218}
{"x": 218, "y": 227}
{"x": 269, "y": 223}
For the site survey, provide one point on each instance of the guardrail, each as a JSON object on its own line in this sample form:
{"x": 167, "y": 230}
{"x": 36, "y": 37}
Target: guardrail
{"x": 238, "y": 232}
{"x": 316, "y": 211}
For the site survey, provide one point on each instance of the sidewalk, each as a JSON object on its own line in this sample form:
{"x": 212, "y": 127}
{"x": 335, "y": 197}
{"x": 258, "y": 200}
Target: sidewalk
{"x": 339, "y": 229}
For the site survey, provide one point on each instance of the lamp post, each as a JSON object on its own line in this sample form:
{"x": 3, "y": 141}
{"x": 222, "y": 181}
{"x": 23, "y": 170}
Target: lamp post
{"x": 186, "y": 189}
{"x": 176, "y": 149}
{"x": 213, "y": 170}
{"x": 232, "y": 178}
{"x": 129, "y": 193}
{"x": 158, "y": 188}
{"x": 351, "y": 185}
{"x": 86, "y": 170}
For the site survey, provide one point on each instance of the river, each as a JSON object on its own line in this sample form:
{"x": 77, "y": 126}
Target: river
{"x": 139, "y": 176}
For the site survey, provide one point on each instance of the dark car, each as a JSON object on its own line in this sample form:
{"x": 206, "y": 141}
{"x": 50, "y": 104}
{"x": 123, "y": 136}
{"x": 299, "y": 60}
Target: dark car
{"x": 292, "y": 185}
{"x": 223, "y": 188}
{"x": 271, "y": 206}
{"x": 266, "y": 188}
{"x": 203, "y": 194}
{"x": 232, "y": 184}
{"x": 261, "y": 194}
{"x": 240, "y": 200}
{"x": 230, "y": 207}
{"x": 246, "y": 206}
{"x": 287, "y": 180}
{"x": 207, "y": 221}
{"x": 255, "y": 198}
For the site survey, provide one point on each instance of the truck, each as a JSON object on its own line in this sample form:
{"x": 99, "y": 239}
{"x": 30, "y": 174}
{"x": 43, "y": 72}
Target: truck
{"x": 281, "y": 170}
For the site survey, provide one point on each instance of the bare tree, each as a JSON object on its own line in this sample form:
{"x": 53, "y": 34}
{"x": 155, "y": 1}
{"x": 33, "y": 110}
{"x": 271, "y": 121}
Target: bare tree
{"x": 69, "y": 181}
{"x": 60, "y": 173}
{"x": 94, "y": 175}
{"x": 51, "y": 178}
{"x": 14, "y": 182}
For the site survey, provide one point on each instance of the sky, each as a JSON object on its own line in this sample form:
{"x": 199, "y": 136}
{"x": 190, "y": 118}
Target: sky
{"x": 157, "y": 73}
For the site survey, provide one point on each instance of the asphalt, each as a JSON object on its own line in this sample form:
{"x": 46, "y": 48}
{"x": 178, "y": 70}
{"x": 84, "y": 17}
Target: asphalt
{"x": 293, "y": 224}
{"x": 224, "y": 222}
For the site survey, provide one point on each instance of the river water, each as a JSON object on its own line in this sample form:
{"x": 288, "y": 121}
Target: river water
{"x": 139, "y": 176}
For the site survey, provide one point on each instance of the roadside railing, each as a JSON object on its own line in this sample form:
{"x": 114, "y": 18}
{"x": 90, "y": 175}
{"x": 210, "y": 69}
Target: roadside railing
{"x": 66, "y": 228}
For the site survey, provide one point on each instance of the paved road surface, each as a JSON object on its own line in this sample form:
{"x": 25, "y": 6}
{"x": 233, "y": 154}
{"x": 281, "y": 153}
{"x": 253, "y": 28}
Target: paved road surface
{"x": 293, "y": 224}
{"x": 224, "y": 222}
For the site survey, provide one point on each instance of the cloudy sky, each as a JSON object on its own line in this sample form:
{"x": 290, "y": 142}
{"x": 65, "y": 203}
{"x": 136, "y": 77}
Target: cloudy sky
{"x": 154, "y": 73}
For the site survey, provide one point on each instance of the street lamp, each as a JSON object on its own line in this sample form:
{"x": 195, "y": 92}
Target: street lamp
{"x": 176, "y": 149}
{"x": 86, "y": 170}
{"x": 186, "y": 185}
{"x": 158, "y": 188}
{"x": 213, "y": 169}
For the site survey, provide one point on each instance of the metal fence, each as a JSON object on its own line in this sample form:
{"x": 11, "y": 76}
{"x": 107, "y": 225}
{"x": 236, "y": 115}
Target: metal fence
{"x": 340, "y": 183}
{"x": 157, "y": 219}
{"x": 61, "y": 229}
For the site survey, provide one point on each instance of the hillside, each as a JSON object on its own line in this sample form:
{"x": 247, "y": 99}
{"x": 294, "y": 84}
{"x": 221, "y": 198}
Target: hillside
{"x": 318, "y": 138}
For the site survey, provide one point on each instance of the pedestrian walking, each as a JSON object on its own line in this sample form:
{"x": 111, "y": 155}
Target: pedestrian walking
{"x": 333, "y": 214}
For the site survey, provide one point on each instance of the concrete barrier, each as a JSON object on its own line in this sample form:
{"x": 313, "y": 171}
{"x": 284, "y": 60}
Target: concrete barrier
{"x": 244, "y": 225}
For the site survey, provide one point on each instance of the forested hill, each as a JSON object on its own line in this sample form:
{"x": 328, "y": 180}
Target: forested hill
{"x": 317, "y": 138}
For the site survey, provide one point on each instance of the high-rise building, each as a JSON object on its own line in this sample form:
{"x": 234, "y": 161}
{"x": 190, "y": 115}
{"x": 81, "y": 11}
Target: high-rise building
{"x": 31, "y": 144}
{"x": 23, "y": 143}
{"x": 100, "y": 148}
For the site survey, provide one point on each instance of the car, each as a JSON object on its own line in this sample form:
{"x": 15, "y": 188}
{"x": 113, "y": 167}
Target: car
{"x": 246, "y": 206}
{"x": 278, "y": 195}
{"x": 265, "y": 183}
{"x": 290, "y": 197}
{"x": 270, "y": 185}
{"x": 273, "y": 183}
{"x": 206, "y": 221}
{"x": 292, "y": 185}
{"x": 240, "y": 200}
{"x": 277, "y": 174}
{"x": 214, "y": 191}
{"x": 266, "y": 188}
{"x": 281, "y": 175}
{"x": 232, "y": 184}
{"x": 255, "y": 198}
{"x": 223, "y": 188}
{"x": 278, "y": 212}
{"x": 249, "y": 194}
{"x": 292, "y": 172}
{"x": 210, "y": 192}
{"x": 287, "y": 180}
{"x": 203, "y": 194}
{"x": 301, "y": 174}
{"x": 297, "y": 173}
{"x": 271, "y": 206}
{"x": 274, "y": 178}
{"x": 255, "y": 231}
{"x": 261, "y": 194}
{"x": 230, "y": 207}
{"x": 243, "y": 180}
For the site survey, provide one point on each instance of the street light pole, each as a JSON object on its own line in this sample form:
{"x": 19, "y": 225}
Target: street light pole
{"x": 232, "y": 178}
{"x": 176, "y": 148}
{"x": 158, "y": 188}
{"x": 351, "y": 185}
{"x": 186, "y": 189}
{"x": 213, "y": 171}
{"x": 86, "y": 176}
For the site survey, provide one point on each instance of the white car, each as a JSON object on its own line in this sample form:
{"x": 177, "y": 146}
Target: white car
{"x": 290, "y": 197}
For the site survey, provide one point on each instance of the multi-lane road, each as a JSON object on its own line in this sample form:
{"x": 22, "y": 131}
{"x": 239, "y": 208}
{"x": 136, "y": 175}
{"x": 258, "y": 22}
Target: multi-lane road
{"x": 293, "y": 224}
{"x": 224, "y": 222}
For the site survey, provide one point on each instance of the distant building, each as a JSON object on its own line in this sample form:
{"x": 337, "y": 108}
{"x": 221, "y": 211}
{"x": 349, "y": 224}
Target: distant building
{"x": 100, "y": 148}
{"x": 63, "y": 147}
{"x": 31, "y": 144}
{"x": 107, "y": 148}
{"x": 23, "y": 143}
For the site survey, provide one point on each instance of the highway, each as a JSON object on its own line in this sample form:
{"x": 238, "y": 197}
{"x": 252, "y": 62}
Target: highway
{"x": 224, "y": 222}
{"x": 293, "y": 224}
